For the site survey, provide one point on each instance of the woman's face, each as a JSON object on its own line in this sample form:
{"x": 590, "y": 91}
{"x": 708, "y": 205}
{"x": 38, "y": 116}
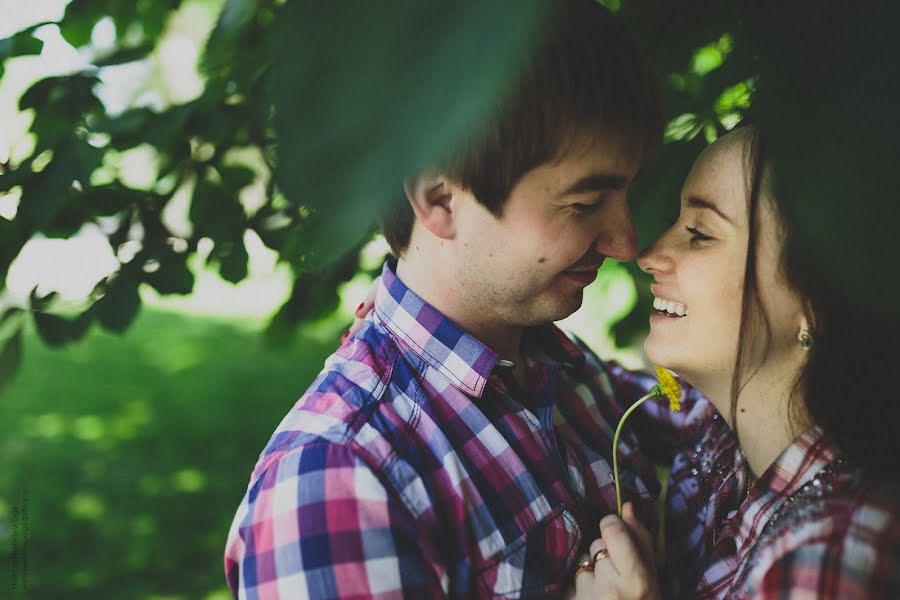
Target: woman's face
{"x": 698, "y": 269}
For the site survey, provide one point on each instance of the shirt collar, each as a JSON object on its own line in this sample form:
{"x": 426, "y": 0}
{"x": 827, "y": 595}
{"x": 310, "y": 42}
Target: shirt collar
{"x": 438, "y": 341}
{"x": 551, "y": 345}
{"x": 445, "y": 346}
{"x": 800, "y": 462}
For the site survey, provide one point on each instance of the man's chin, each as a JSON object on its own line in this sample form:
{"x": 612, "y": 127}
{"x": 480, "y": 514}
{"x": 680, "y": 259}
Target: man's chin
{"x": 563, "y": 307}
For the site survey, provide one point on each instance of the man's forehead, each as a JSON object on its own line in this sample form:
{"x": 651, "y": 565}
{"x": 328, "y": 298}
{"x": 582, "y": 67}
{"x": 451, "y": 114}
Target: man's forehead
{"x": 606, "y": 152}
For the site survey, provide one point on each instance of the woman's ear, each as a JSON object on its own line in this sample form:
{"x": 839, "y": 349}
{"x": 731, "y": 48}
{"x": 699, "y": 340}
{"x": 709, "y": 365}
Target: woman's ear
{"x": 432, "y": 197}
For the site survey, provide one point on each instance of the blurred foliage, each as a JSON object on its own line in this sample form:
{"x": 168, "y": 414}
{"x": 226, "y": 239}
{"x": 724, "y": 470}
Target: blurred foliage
{"x": 339, "y": 100}
{"x": 134, "y": 452}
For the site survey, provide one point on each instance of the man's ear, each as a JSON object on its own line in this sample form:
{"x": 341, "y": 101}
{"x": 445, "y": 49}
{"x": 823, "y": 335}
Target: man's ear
{"x": 431, "y": 196}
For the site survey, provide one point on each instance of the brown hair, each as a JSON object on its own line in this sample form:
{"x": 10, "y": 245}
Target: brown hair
{"x": 845, "y": 387}
{"x": 586, "y": 78}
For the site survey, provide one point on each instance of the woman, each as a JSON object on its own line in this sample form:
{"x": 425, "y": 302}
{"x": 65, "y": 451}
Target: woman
{"x": 781, "y": 482}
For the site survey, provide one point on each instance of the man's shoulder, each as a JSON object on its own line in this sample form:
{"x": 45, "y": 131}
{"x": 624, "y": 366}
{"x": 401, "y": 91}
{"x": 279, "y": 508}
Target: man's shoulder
{"x": 337, "y": 406}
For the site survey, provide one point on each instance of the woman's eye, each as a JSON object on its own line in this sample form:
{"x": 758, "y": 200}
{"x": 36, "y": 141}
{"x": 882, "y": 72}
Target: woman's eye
{"x": 697, "y": 235}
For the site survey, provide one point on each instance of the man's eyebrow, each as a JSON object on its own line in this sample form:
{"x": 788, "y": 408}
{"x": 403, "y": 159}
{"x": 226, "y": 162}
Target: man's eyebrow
{"x": 698, "y": 202}
{"x": 596, "y": 182}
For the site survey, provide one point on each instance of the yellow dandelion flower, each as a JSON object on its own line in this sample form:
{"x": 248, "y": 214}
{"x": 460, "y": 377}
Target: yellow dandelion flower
{"x": 669, "y": 387}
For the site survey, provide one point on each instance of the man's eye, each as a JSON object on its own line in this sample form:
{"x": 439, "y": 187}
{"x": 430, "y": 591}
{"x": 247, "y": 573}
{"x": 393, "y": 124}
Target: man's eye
{"x": 586, "y": 208}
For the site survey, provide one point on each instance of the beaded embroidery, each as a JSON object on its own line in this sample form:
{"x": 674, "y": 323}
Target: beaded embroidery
{"x": 801, "y": 506}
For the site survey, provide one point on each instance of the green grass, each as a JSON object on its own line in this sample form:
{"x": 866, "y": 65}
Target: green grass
{"x": 135, "y": 451}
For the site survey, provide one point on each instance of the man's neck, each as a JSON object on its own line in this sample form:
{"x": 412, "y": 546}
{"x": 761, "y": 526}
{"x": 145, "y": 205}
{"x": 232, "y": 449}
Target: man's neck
{"x": 441, "y": 291}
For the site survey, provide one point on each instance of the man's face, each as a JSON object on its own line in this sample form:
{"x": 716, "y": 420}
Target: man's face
{"x": 561, "y": 220}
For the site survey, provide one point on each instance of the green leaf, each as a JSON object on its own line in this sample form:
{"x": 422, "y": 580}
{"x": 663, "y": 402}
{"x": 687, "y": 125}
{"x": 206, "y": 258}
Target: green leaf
{"x": 707, "y": 59}
{"x": 215, "y": 212}
{"x": 10, "y": 358}
{"x": 68, "y": 220}
{"x": 109, "y": 199}
{"x": 124, "y": 55}
{"x": 53, "y": 329}
{"x": 10, "y": 319}
{"x": 41, "y": 303}
{"x": 12, "y": 239}
{"x": 164, "y": 128}
{"x": 223, "y": 46}
{"x": 20, "y": 44}
{"x": 173, "y": 275}
{"x": 118, "y": 308}
{"x": 61, "y": 105}
{"x": 683, "y": 127}
{"x": 80, "y": 325}
{"x": 57, "y": 330}
{"x": 128, "y": 121}
{"x": 61, "y": 90}
{"x": 79, "y": 20}
{"x": 237, "y": 177}
{"x": 44, "y": 196}
{"x": 314, "y": 295}
{"x": 17, "y": 176}
{"x": 362, "y": 102}
{"x": 233, "y": 262}
{"x": 38, "y": 94}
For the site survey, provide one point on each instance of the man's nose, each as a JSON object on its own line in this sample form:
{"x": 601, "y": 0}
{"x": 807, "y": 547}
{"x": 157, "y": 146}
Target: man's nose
{"x": 619, "y": 239}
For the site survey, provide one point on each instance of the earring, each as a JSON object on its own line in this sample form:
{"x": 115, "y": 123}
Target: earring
{"x": 805, "y": 338}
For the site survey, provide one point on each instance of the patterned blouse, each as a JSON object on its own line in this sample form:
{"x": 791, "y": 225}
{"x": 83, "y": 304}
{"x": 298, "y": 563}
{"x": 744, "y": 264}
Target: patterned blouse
{"x": 811, "y": 526}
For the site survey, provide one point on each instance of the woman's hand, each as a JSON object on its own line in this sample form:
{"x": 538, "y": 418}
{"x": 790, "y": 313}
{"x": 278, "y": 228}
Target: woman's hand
{"x": 362, "y": 310}
{"x": 624, "y": 566}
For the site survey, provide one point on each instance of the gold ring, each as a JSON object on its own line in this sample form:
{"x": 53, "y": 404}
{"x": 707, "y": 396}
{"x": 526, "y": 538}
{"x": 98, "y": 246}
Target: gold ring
{"x": 599, "y": 555}
{"x": 585, "y": 565}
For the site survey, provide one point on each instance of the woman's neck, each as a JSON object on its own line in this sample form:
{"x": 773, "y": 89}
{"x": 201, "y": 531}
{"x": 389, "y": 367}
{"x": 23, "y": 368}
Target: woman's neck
{"x": 764, "y": 420}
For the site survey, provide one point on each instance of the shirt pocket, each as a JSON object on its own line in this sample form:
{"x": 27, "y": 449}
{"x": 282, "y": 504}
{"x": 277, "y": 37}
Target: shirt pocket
{"x": 537, "y": 563}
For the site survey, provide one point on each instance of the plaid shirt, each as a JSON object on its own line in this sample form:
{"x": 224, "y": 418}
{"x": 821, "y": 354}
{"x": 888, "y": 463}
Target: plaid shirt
{"x": 810, "y": 527}
{"x": 416, "y": 467}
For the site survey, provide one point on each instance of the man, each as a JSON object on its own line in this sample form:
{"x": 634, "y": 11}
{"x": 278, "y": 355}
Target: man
{"x": 459, "y": 444}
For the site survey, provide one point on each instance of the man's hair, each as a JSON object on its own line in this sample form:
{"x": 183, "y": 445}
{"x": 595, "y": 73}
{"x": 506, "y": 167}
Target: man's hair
{"x": 584, "y": 79}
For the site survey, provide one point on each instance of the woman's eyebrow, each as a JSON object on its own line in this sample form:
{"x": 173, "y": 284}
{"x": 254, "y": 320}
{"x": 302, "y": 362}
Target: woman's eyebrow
{"x": 597, "y": 182}
{"x": 697, "y": 202}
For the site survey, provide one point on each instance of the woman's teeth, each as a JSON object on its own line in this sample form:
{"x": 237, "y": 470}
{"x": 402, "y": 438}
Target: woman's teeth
{"x": 670, "y": 307}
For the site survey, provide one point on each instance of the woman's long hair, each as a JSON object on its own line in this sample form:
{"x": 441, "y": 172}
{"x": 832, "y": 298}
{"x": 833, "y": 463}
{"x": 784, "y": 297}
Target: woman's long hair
{"x": 846, "y": 385}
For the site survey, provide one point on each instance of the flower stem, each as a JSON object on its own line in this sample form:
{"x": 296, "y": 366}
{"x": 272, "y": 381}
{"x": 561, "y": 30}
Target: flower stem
{"x": 653, "y": 392}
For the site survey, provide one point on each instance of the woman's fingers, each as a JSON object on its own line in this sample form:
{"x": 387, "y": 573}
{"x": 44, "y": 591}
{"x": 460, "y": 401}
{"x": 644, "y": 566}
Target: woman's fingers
{"x": 583, "y": 576}
{"x": 624, "y": 553}
{"x": 620, "y": 568}
{"x": 364, "y": 308}
{"x": 369, "y": 301}
{"x": 643, "y": 535}
{"x": 596, "y": 546}
{"x": 606, "y": 576}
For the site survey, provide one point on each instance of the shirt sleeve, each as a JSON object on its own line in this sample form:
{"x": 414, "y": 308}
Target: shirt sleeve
{"x": 318, "y": 523}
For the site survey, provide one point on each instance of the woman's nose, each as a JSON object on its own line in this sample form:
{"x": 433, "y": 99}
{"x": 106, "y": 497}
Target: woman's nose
{"x": 652, "y": 260}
